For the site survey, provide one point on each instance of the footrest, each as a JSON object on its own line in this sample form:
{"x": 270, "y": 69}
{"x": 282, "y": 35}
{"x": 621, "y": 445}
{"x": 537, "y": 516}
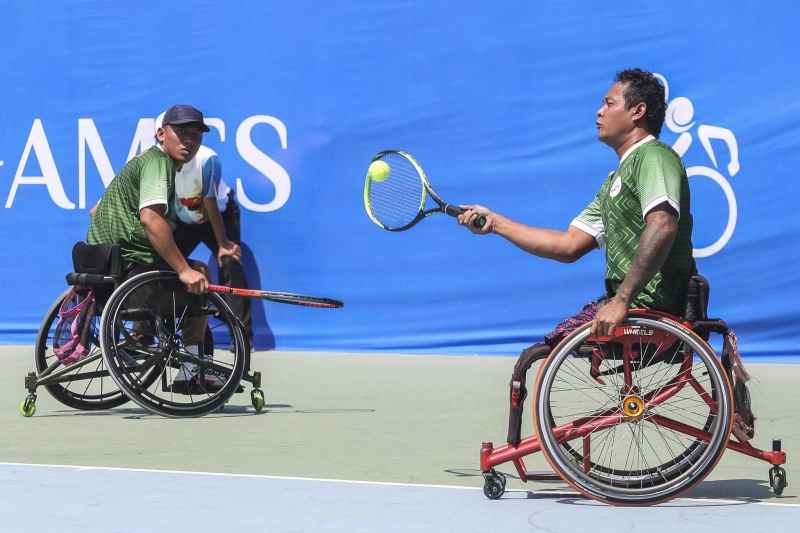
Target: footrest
{"x": 542, "y": 476}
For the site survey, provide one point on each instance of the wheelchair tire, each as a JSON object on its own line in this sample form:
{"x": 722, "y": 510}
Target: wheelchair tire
{"x": 655, "y": 436}
{"x": 94, "y": 393}
{"x": 152, "y": 378}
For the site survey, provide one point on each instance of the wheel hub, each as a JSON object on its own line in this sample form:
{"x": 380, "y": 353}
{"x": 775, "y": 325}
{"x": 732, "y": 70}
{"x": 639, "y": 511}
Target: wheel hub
{"x": 633, "y": 408}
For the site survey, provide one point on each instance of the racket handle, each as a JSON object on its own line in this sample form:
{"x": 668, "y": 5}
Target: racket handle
{"x": 454, "y": 211}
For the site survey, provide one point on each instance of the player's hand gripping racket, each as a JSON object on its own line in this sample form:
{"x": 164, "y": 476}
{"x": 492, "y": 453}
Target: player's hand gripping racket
{"x": 280, "y": 297}
{"x": 396, "y": 190}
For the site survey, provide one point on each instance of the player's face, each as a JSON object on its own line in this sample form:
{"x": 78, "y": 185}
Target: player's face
{"x": 180, "y": 141}
{"x": 615, "y": 124}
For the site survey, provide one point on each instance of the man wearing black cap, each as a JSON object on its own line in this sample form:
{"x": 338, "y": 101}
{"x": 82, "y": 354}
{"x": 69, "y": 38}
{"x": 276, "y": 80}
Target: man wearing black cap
{"x": 135, "y": 209}
{"x": 206, "y": 212}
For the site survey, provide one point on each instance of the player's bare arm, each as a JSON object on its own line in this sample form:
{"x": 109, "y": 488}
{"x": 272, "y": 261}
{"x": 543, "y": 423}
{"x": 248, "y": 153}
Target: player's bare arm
{"x": 563, "y": 246}
{"x": 160, "y": 236}
{"x": 226, "y": 247}
{"x": 653, "y": 249}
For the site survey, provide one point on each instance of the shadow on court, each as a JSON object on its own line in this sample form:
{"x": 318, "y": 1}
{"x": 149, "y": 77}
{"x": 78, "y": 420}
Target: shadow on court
{"x": 739, "y": 489}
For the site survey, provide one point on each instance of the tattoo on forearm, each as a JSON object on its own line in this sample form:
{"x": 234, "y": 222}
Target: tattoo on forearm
{"x": 654, "y": 246}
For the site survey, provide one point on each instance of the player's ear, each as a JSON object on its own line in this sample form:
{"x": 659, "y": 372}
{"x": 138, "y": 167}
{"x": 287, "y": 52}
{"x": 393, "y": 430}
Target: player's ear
{"x": 639, "y": 110}
{"x": 160, "y": 132}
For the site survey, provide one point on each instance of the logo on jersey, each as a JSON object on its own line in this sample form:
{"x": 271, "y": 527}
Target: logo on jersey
{"x": 162, "y": 184}
{"x": 615, "y": 187}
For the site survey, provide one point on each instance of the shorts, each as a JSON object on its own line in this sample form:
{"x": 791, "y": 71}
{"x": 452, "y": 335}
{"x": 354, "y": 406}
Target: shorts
{"x": 572, "y": 323}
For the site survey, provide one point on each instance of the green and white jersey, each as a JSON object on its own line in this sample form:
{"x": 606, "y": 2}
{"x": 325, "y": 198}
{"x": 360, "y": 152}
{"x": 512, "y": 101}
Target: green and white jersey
{"x": 147, "y": 179}
{"x": 649, "y": 174}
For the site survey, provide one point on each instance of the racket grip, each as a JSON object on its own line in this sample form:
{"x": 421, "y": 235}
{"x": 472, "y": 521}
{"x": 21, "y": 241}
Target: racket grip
{"x": 454, "y": 211}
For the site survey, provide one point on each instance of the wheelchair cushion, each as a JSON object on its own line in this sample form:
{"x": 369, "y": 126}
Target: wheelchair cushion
{"x": 104, "y": 259}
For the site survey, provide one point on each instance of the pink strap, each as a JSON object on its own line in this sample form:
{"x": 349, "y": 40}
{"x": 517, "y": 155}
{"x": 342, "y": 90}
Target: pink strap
{"x": 74, "y": 345}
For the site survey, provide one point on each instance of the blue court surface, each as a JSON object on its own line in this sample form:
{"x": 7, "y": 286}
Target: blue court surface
{"x": 57, "y": 498}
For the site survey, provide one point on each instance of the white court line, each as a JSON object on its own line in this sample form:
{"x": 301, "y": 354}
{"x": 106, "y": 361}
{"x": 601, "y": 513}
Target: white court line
{"x": 384, "y": 483}
{"x": 256, "y": 476}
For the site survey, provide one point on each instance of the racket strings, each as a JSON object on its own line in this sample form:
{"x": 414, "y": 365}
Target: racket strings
{"x": 396, "y": 201}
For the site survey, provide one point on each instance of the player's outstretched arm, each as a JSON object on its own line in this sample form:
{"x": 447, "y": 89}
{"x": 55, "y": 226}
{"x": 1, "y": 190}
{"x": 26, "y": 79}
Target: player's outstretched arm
{"x": 160, "y": 236}
{"x": 563, "y": 246}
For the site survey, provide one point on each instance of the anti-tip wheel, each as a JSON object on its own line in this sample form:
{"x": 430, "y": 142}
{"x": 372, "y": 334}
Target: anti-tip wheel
{"x": 27, "y": 408}
{"x": 258, "y": 400}
{"x": 494, "y": 485}
{"x": 777, "y": 479}
{"x": 777, "y": 485}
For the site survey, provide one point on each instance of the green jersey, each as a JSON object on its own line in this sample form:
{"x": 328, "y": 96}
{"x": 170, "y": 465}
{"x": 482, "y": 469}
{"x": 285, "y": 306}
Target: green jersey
{"x": 649, "y": 174}
{"x": 147, "y": 179}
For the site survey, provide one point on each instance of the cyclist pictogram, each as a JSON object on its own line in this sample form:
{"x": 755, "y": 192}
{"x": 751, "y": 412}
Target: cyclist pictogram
{"x": 680, "y": 112}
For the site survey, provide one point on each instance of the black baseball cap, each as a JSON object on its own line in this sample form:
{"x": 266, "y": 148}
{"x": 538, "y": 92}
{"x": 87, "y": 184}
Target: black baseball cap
{"x": 183, "y": 114}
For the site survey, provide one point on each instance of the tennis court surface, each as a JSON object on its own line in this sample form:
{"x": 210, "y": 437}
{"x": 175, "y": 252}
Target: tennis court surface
{"x": 346, "y": 442}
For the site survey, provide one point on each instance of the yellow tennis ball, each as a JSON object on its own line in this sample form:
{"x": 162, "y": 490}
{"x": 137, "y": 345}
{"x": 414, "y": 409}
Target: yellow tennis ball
{"x": 378, "y": 171}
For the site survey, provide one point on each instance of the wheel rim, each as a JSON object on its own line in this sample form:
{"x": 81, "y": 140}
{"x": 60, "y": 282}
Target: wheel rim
{"x": 151, "y": 375}
{"x": 635, "y": 459}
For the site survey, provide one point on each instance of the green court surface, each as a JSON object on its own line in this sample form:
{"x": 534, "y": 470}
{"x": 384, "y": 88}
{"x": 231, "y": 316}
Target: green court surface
{"x": 417, "y": 419}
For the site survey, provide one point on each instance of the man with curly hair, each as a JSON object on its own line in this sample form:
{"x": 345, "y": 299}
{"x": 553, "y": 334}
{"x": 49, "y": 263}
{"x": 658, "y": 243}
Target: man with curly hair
{"x": 641, "y": 215}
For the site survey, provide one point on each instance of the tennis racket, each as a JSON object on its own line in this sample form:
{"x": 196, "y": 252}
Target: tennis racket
{"x": 280, "y": 297}
{"x": 396, "y": 191}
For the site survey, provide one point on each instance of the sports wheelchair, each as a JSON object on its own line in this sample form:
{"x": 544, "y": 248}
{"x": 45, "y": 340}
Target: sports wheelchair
{"x": 136, "y": 347}
{"x": 639, "y": 418}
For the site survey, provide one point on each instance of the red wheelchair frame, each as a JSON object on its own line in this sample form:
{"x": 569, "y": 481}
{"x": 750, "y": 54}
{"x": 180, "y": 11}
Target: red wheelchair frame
{"x": 632, "y": 407}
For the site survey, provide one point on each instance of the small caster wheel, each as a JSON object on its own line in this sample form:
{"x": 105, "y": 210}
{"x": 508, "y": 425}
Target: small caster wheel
{"x": 494, "y": 485}
{"x": 777, "y": 479}
{"x": 777, "y": 484}
{"x": 257, "y": 397}
{"x": 27, "y": 408}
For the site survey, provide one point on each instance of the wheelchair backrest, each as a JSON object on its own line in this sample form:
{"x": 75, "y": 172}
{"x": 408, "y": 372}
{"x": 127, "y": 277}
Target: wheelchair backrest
{"x": 696, "y": 303}
{"x": 103, "y": 259}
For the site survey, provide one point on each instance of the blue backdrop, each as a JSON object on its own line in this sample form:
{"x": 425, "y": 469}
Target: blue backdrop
{"x": 497, "y": 102}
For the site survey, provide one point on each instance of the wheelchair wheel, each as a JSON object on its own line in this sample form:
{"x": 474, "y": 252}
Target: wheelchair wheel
{"x": 637, "y": 420}
{"x": 165, "y": 378}
{"x": 86, "y": 383}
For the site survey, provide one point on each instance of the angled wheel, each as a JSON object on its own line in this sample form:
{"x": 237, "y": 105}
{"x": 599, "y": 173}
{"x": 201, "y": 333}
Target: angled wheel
{"x": 637, "y": 420}
{"x": 84, "y": 384}
{"x": 168, "y": 377}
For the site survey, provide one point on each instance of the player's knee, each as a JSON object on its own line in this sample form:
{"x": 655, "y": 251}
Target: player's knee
{"x": 229, "y": 263}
